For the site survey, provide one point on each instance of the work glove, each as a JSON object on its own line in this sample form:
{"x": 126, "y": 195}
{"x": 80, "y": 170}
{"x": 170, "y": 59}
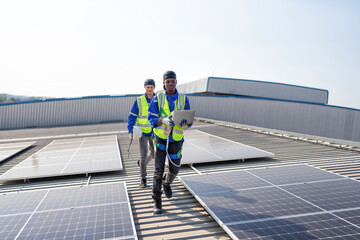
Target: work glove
{"x": 131, "y": 135}
{"x": 185, "y": 125}
{"x": 167, "y": 121}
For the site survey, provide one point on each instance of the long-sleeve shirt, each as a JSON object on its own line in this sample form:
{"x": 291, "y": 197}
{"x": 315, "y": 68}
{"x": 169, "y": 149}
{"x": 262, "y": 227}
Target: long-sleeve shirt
{"x": 134, "y": 113}
{"x": 153, "y": 115}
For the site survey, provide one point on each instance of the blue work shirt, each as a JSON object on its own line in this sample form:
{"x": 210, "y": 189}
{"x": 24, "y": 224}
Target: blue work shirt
{"x": 153, "y": 115}
{"x": 134, "y": 113}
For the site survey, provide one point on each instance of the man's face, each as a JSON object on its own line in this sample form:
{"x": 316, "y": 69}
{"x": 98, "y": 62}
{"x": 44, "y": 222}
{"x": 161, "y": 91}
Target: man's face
{"x": 149, "y": 89}
{"x": 170, "y": 84}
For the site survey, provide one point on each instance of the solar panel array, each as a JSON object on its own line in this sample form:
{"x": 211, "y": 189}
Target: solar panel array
{"x": 90, "y": 212}
{"x": 201, "y": 147}
{"x": 9, "y": 149}
{"x": 69, "y": 156}
{"x": 288, "y": 202}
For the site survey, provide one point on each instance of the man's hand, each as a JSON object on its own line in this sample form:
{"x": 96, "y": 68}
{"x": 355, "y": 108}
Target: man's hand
{"x": 131, "y": 134}
{"x": 185, "y": 125}
{"x": 167, "y": 121}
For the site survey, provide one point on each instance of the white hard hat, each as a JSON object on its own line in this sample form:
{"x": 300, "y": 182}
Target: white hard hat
{"x": 137, "y": 132}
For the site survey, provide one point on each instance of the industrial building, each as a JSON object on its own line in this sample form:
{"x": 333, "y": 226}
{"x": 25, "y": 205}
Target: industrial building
{"x": 294, "y": 123}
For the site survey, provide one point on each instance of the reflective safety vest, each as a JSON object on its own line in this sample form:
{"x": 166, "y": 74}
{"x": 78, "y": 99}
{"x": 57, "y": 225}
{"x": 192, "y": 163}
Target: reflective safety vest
{"x": 164, "y": 111}
{"x": 142, "y": 119}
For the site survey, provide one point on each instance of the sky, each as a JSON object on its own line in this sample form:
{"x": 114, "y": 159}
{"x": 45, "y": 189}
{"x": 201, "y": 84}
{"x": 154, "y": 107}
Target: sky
{"x": 84, "y": 48}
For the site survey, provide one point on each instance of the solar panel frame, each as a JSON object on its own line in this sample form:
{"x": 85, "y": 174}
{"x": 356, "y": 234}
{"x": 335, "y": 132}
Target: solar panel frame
{"x": 62, "y": 157}
{"x": 228, "y": 206}
{"x": 96, "y": 211}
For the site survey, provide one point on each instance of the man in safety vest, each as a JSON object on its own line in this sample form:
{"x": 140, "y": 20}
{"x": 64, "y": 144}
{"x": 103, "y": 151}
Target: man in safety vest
{"x": 167, "y": 132}
{"x": 139, "y": 115}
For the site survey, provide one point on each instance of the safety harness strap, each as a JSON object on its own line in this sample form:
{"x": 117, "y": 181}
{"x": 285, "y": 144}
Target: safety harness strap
{"x": 163, "y": 148}
{"x": 173, "y": 156}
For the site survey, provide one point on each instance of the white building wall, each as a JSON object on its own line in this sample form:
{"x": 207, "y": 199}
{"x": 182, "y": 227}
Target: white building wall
{"x": 65, "y": 112}
{"x": 313, "y": 119}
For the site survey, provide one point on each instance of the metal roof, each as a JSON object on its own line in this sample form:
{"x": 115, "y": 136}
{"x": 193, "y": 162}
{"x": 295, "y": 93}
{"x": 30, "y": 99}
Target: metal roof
{"x": 255, "y": 88}
{"x": 185, "y": 218}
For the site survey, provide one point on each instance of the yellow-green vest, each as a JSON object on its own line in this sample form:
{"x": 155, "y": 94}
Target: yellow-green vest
{"x": 142, "y": 119}
{"x": 164, "y": 111}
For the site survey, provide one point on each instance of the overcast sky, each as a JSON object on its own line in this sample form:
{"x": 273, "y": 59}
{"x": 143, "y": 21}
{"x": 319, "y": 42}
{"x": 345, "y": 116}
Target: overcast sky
{"x": 81, "y": 48}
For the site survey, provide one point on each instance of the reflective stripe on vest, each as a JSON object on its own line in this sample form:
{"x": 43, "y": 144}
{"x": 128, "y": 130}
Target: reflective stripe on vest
{"x": 142, "y": 119}
{"x": 164, "y": 111}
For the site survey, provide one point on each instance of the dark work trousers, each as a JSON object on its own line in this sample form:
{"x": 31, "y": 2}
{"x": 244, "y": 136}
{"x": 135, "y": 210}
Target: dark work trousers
{"x": 146, "y": 145}
{"x": 160, "y": 156}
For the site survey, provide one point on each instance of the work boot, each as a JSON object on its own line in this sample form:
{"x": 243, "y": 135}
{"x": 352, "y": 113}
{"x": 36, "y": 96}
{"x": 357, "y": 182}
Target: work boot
{"x": 167, "y": 190}
{"x": 157, "y": 206}
{"x": 143, "y": 183}
{"x": 168, "y": 179}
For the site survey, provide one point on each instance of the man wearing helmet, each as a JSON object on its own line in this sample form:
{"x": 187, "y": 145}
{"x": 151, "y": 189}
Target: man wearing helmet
{"x": 139, "y": 115}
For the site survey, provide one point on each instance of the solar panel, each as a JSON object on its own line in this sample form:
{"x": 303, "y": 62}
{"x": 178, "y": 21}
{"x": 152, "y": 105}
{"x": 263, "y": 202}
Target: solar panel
{"x": 10, "y": 149}
{"x": 91, "y": 212}
{"x": 201, "y": 147}
{"x": 290, "y": 174}
{"x": 11, "y": 225}
{"x": 288, "y": 202}
{"x": 332, "y": 195}
{"x": 254, "y": 204}
{"x": 352, "y": 216}
{"x": 220, "y": 182}
{"x": 69, "y": 156}
{"x": 11, "y": 204}
{"x": 317, "y": 226}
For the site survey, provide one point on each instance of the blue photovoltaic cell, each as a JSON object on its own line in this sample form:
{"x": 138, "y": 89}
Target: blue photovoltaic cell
{"x": 244, "y": 205}
{"x": 293, "y": 174}
{"x": 11, "y": 225}
{"x": 11, "y": 203}
{"x": 80, "y": 196}
{"x": 99, "y": 222}
{"x": 90, "y": 212}
{"x": 331, "y": 195}
{"x": 319, "y": 226}
{"x": 204, "y": 184}
{"x": 352, "y": 216}
{"x": 289, "y": 202}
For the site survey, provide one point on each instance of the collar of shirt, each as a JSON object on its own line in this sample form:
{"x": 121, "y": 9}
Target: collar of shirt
{"x": 148, "y": 99}
{"x": 173, "y": 97}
